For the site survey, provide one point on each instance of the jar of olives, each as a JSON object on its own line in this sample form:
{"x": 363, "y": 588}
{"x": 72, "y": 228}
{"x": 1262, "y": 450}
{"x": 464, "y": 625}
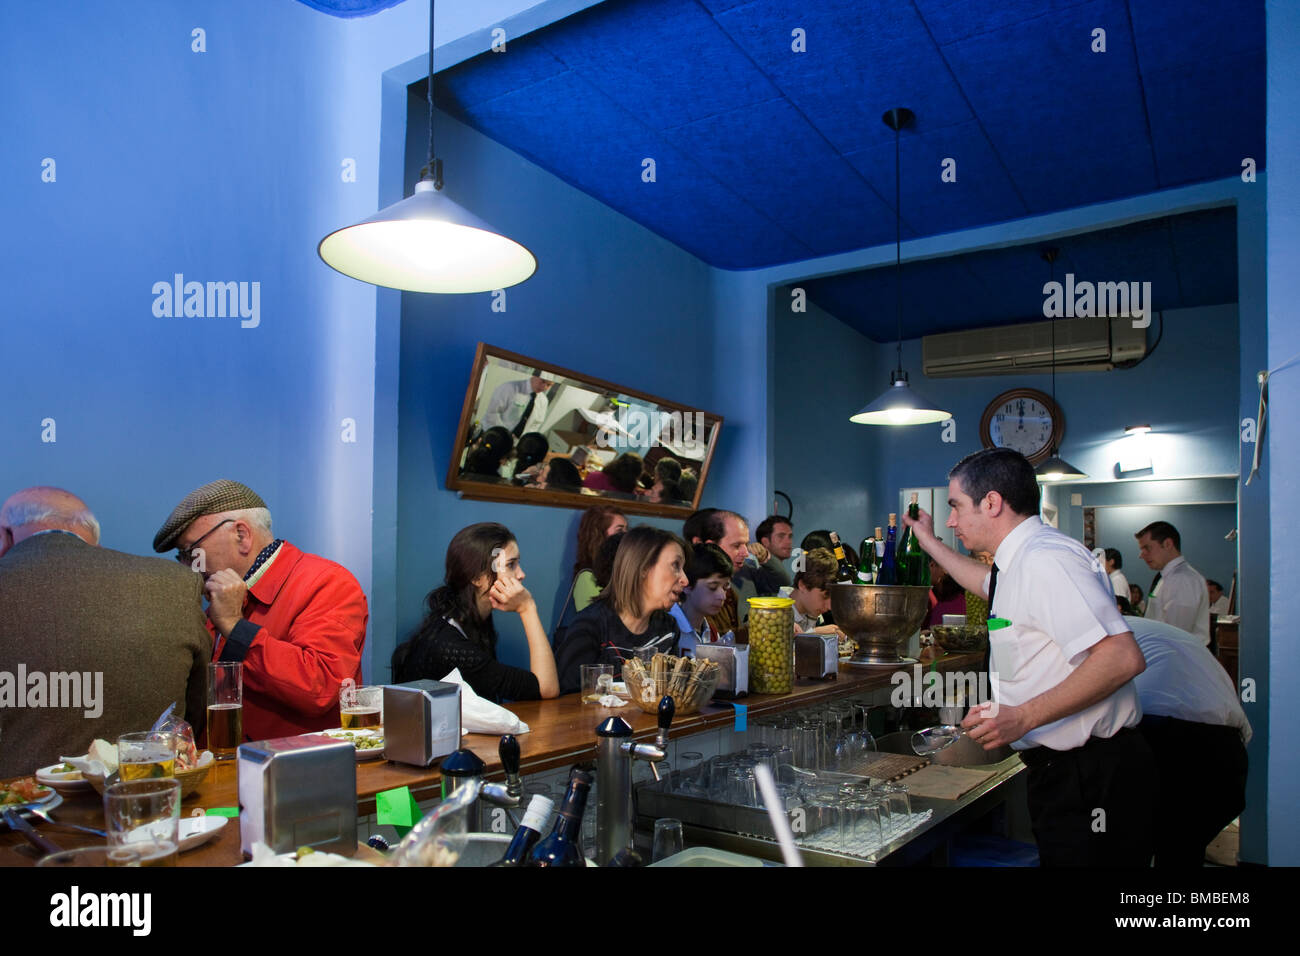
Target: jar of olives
{"x": 771, "y": 645}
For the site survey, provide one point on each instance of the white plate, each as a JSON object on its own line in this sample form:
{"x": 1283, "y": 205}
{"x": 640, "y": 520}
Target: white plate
{"x": 195, "y": 831}
{"x": 371, "y": 753}
{"x": 63, "y": 782}
{"x": 51, "y": 799}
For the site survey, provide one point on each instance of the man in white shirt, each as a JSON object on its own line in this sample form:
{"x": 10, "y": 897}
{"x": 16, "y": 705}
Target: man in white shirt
{"x": 519, "y": 406}
{"x": 1114, "y": 561}
{"x": 1062, "y": 663}
{"x": 1180, "y": 596}
{"x": 1218, "y": 600}
{"x": 1192, "y": 720}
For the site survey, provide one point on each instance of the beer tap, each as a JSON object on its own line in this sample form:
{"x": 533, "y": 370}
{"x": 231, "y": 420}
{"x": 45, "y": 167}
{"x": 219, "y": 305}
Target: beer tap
{"x": 463, "y": 768}
{"x": 615, "y": 753}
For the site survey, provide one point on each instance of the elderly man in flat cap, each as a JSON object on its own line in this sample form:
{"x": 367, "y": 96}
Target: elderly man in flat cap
{"x": 297, "y": 621}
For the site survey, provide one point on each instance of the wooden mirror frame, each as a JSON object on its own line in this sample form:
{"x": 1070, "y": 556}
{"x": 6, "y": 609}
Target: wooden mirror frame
{"x": 484, "y": 491}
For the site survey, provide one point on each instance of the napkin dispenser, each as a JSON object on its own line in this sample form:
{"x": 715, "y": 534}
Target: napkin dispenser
{"x": 816, "y": 656}
{"x": 733, "y": 665}
{"x": 298, "y": 791}
{"x": 421, "y": 721}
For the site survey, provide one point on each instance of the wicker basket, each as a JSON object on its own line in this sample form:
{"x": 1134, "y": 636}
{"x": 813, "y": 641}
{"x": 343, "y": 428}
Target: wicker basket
{"x": 688, "y": 696}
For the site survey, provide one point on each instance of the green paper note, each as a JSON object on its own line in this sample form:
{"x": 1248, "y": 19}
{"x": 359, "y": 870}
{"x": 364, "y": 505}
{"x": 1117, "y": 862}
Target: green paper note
{"x": 997, "y": 623}
{"x": 398, "y": 809}
{"x": 231, "y": 812}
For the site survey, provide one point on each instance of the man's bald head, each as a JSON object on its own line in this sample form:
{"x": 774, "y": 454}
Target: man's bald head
{"x": 38, "y": 509}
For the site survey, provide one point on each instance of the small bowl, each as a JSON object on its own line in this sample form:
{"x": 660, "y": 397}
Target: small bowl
{"x": 960, "y": 638}
{"x": 67, "y": 784}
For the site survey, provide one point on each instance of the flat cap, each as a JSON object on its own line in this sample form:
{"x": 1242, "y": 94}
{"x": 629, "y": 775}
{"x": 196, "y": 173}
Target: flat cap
{"x": 213, "y": 498}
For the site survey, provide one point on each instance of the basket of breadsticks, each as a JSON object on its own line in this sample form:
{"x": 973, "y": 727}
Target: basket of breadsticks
{"x": 689, "y": 681}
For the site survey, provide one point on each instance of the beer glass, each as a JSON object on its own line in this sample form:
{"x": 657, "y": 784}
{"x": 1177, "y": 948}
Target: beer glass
{"x": 360, "y": 708}
{"x": 225, "y": 708}
{"x": 147, "y": 755}
{"x": 144, "y": 815}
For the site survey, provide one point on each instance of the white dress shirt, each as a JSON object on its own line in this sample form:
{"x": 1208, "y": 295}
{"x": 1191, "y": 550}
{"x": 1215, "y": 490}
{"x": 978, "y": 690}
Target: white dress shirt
{"x": 1182, "y": 599}
{"x": 1059, "y": 603}
{"x": 1183, "y": 679}
{"x": 507, "y": 404}
{"x": 1119, "y": 583}
{"x": 1220, "y": 607}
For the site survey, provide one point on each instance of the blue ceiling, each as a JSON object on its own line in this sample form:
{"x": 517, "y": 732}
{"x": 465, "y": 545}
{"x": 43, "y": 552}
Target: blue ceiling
{"x": 767, "y": 156}
{"x": 1190, "y": 260}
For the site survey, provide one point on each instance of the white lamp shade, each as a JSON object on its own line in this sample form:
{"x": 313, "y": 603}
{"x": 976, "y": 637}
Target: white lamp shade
{"x": 900, "y": 405}
{"x": 1057, "y": 469}
{"x": 427, "y": 243}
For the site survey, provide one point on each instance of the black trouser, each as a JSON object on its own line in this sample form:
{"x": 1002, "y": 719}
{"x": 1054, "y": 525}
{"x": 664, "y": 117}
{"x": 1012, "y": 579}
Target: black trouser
{"x": 1094, "y": 805}
{"x": 1202, "y": 785}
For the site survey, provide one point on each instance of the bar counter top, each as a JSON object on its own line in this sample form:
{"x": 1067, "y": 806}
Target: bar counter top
{"x": 562, "y": 732}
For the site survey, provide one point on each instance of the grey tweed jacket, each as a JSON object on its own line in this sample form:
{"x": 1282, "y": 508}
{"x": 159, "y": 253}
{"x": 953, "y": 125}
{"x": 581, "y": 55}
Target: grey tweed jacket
{"x": 93, "y": 643}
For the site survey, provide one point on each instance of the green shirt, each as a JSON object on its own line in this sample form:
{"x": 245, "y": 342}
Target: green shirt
{"x": 585, "y": 590}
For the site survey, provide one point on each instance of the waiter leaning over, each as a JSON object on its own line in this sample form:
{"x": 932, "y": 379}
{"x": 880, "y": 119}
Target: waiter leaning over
{"x": 1061, "y": 669}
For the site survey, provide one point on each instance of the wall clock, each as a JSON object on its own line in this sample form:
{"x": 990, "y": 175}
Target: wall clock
{"x": 1025, "y": 420}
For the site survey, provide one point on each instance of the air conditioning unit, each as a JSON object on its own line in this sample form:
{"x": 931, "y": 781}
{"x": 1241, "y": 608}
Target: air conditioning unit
{"x": 1089, "y": 344}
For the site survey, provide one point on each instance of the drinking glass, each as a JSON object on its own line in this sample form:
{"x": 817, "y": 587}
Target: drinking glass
{"x": 688, "y": 776}
{"x": 361, "y": 708}
{"x": 596, "y": 679}
{"x": 147, "y": 755}
{"x": 720, "y": 779}
{"x": 145, "y": 815}
{"x": 98, "y": 856}
{"x": 225, "y": 708}
{"x": 744, "y": 788}
{"x": 667, "y": 839}
{"x": 900, "y": 805}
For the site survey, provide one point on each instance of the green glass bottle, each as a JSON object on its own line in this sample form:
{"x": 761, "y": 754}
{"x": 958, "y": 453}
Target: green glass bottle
{"x": 867, "y": 560}
{"x": 918, "y": 562}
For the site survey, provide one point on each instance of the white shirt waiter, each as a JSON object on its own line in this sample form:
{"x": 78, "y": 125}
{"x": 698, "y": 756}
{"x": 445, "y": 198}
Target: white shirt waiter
{"x": 1059, "y": 604}
{"x": 1182, "y": 599}
{"x": 510, "y": 400}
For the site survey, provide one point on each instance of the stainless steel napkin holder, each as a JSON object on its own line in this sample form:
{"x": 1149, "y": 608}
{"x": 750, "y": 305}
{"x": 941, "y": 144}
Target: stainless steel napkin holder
{"x": 733, "y": 663}
{"x": 421, "y": 721}
{"x": 298, "y": 791}
{"x": 816, "y": 656}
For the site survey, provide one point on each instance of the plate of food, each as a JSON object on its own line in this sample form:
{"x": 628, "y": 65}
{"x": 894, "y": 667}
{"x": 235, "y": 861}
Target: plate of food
{"x": 25, "y": 792}
{"x": 64, "y": 778}
{"x": 369, "y": 743}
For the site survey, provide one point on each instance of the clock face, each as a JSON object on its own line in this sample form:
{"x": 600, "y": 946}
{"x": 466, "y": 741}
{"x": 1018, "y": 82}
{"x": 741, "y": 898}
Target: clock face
{"x": 1024, "y": 420}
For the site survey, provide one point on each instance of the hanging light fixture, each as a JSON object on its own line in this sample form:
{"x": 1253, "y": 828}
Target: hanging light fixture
{"x": 1055, "y": 468}
{"x": 899, "y": 404}
{"x": 426, "y": 242}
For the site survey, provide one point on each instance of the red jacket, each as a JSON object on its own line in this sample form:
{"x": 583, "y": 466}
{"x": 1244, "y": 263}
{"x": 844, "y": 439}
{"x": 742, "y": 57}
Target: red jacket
{"x": 304, "y": 627}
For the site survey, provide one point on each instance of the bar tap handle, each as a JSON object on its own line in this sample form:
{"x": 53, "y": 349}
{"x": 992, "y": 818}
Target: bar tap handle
{"x": 509, "y": 753}
{"x": 666, "y": 711}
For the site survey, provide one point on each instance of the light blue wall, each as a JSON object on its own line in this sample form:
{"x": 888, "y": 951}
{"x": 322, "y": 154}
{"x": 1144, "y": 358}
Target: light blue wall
{"x": 1283, "y": 138}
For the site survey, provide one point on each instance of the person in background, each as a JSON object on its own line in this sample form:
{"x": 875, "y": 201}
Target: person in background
{"x": 519, "y": 406}
{"x": 632, "y": 612}
{"x": 687, "y": 487}
{"x": 730, "y": 532}
{"x": 296, "y": 620}
{"x": 773, "y": 546}
{"x": 946, "y": 595}
{"x": 489, "y": 450}
{"x": 619, "y": 475}
{"x": 708, "y": 579}
{"x": 1065, "y": 662}
{"x": 811, "y": 593}
{"x": 1178, "y": 594}
{"x": 1114, "y": 561}
{"x": 1218, "y": 600}
{"x": 69, "y": 606}
{"x": 530, "y": 451}
{"x": 483, "y": 575}
{"x": 665, "y": 486}
{"x": 693, "y": 527}
{"x": 821, "y": 538}
{"x": 598, "y": 523}
{"x": 1135, "y": 600}
{"x": 1193, "y": 721}
{"x": 977, "y": 605}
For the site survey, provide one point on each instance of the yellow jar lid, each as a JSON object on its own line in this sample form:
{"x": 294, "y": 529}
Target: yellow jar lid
{"x": 770, "y": 603}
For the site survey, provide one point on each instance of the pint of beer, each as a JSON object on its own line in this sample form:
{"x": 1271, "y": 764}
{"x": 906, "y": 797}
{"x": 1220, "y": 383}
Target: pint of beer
{"x": 225, "y": 708}
{"x": 360, "y": 707}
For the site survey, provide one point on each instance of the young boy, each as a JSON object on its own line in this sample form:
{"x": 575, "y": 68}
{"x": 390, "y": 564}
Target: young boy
{"x": 708, "y": 576}
{"x": 811, "y": 593}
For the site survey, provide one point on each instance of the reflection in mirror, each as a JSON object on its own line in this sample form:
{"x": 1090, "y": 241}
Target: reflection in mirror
{"x": 532, "y": 428}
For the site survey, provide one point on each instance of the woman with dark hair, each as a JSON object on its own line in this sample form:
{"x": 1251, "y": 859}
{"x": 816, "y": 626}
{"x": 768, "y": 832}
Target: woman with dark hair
{"x": 632, "y": 612}
{"x": 946, "y": 595}
{"x": 558, "y": 474}
{"x": 483, "y": 575}
{"x": 619, "y": 475}
{"x": 598, "y": 523}
{"x": 487, "y": 452}
{"x": 1118, "y": 582}
{"x": 530, "y": 450}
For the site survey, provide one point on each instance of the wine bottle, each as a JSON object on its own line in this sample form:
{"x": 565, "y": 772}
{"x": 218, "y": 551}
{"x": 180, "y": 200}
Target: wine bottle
{"x": 844, "y": 568}
{"x": 562, "y": 846}
{"x": 530, "y": 831}
{"x": 867, "y": 561}
{"x": 888, "y": 573}
{"x": 918, "y": 562}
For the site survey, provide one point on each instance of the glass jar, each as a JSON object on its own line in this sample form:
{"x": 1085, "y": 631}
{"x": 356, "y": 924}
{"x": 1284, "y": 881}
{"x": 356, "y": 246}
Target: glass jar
{"x": 771, "y": 645}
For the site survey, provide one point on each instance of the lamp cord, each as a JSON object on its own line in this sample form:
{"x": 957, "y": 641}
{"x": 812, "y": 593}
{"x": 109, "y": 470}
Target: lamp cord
{"x": 434, "y": 167}
{"x": 898, "y": 239}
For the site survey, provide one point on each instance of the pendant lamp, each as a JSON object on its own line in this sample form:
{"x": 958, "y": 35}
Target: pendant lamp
{"x": 426, "y": 242}
{"x": 899, "y": 404}
{"x": 1055, "y": 468}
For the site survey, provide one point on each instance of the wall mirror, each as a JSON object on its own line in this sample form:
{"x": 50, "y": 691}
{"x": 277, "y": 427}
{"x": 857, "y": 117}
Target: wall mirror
{"x": 532, "y": 432}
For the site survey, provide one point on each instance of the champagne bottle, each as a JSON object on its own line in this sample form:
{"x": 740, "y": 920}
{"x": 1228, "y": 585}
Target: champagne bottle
{"x": 844, "y": 568}
{"x": 529, "y": 832}
{"x": 880, "y": 546}
{"x": 562, "y": 846}
{"x": 888, "y": 573}
{"x": 918, "y": 562}
{"x": 867, "y": 561}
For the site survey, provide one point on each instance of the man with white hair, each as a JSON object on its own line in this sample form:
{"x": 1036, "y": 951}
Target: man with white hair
{"x": 93, "y": 642}
{"x": 296, "y": 620}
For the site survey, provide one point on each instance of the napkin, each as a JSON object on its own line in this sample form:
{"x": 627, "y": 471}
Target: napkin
{"x": 479, "y": 716}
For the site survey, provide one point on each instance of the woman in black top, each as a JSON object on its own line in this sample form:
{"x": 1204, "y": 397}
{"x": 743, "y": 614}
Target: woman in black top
{"x": 483, "y": 575}
{"x": 632, "y": 611}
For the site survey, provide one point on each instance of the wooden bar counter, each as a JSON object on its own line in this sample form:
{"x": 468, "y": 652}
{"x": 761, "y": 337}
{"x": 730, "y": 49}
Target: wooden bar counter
{"x": 562, "y": 733}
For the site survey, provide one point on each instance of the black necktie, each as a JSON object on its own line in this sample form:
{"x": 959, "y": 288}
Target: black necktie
{"x": 528, "y": 411}
{"x": 1154, "y": 582}
{"x": 993, "y": 587}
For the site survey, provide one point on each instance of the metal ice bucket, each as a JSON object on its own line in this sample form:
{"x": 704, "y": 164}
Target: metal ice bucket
{"x": 879, "y": 617}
